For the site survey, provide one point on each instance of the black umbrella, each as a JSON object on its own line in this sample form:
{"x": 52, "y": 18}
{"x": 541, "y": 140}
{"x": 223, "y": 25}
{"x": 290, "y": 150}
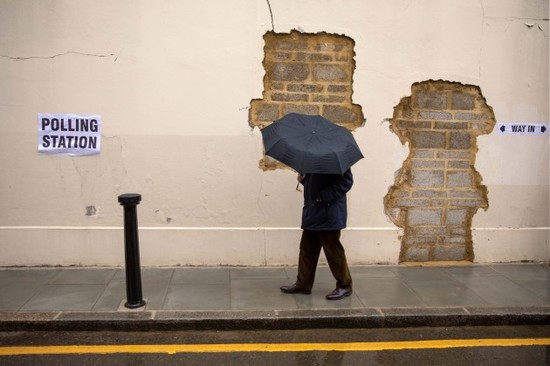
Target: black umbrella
{"x": 311, "y": 144}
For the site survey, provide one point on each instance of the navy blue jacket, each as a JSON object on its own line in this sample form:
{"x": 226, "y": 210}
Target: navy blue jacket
{"x": 325, "y": 206}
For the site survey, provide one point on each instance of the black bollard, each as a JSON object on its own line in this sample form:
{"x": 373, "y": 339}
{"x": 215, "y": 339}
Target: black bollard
{"x": 134, "y": 294}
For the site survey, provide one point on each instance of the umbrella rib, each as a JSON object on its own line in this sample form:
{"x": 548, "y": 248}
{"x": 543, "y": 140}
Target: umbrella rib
{"x": 335, "y": 153}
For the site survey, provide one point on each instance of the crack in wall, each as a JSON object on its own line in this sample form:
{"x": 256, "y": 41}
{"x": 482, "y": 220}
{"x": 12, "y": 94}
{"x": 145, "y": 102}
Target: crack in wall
{"x": 25, "y": 58}
{"x": 271, "y": 15}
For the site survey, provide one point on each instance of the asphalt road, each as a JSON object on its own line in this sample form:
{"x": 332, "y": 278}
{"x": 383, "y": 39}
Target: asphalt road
{"x": 522, "y": 345}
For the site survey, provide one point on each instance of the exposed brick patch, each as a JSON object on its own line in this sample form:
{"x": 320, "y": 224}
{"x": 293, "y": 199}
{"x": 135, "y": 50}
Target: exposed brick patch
{"x": 438, "y": 190}
{"x": 309, "y": 74}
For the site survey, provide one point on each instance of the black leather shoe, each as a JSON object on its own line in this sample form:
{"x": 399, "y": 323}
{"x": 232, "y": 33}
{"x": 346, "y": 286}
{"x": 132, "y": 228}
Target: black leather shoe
{"x": 339, "y": 293}
{"x": 294, "y": 289}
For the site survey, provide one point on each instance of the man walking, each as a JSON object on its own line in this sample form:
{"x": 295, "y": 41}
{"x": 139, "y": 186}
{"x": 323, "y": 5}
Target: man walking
{"x": 323, "y": 217}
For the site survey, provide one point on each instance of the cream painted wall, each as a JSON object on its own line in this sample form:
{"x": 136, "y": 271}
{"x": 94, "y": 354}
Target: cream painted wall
{"x": 173, "y": 82}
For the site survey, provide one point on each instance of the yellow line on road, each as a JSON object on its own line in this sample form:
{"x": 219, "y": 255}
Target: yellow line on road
{"x": 272, "y": 347}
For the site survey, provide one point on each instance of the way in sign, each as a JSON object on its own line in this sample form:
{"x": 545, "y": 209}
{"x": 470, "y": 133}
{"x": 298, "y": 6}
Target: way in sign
{"x": 533, "y": 128}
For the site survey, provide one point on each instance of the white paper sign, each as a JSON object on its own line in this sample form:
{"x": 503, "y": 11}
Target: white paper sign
{"x": 522, "y": 128}
{"x": 69, "y": 134}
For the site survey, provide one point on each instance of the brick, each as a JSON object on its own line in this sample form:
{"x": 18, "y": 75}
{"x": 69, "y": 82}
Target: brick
{"x": 279, "y": 56}
{"x": 429, "y": 193}
{"x": 466, "y": 202}
{"x": 416, "y": 254}
{"x": 451, "y": 125}
{"x": 334, "y": 47}
{"x": 433, "y": 164}
{"x": 328, "y": 98}
{"x": 341, "y": 58}
{"x": 459, "y": 179}
{"x": 469, "y": 116}
{"x": 261, "y": 111}
{"x": 423, "y": 154}
{"x": 465, "y": 194}
{"x": 458, "y": 164}
{"x": 289, "y": 97}
{"x": 288, "y": 44}
{"x": 448, "y": 154}
{"x": 428, "y": 139}
{"x": 302, "y": 109}
{"x": 455, "y": 239}
{"x": 431, "y": 100}
{"x": 329, "y": 73}
{"x": 305, "y": 88}
{"x": 338, "y": 88}
{"x": 421, "y": 216}
{"x": 403, "y": 202}
{"x": 450, "y": 253}
{"x": 462, "y": 101}
{"x": 427, "y": 178}
{"x": 430, "y": 230}
{"x": 425, "y": 240}
{"x": 286, "y": 71}
{"x": 460, "y": 141}
{"x": 339, "y": 114}
{"x": 412, "y": 124}
{"x": 456, "y": 216}
{"x": 402, "y": 193}
{"x": 435, "y": 115}
{"x": 315, "y": 57}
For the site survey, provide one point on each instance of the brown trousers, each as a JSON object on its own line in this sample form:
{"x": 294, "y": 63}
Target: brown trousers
{"x": 310, "y": 249}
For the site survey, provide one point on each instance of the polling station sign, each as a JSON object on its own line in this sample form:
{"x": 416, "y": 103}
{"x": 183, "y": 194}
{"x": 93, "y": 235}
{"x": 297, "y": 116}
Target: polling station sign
{"x": 69, "y": 134}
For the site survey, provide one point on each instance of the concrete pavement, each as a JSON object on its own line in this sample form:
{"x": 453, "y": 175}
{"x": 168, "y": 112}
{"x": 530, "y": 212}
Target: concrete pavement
{"x": 249, "y": 297}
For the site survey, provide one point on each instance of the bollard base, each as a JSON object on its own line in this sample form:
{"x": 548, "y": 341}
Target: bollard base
{"x": 122, "y": 307}
{"x": 134, "y": 305}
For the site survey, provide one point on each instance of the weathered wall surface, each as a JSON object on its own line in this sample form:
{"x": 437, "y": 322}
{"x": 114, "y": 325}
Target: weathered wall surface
{"x": 438, "y": 189}
{"x": 173, "y": 83}
{"x": 308, "y": 74}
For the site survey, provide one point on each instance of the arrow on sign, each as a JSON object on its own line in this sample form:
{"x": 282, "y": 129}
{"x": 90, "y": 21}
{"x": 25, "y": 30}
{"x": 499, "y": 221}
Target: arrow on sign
{"x": 522, "y": 128}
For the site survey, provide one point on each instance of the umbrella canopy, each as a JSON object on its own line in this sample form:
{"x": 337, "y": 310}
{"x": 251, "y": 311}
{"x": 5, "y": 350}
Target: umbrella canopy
{"x": 311, "y": 144}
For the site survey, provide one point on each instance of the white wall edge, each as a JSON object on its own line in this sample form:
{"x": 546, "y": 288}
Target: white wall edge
{"x": 254, "y": 246}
